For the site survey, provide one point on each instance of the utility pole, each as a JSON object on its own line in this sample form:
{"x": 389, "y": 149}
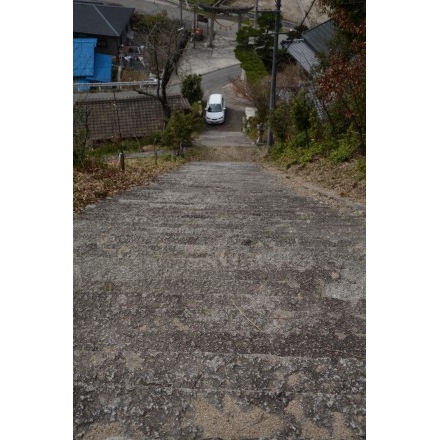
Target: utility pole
{"x": 256, "y": 14}
{"x": 274, "y": 71}
{"x": 211, "y": 30}
{"x": 194, "y": 28}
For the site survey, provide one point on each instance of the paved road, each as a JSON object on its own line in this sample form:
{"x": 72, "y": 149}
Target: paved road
{"x": 218, "y": 302}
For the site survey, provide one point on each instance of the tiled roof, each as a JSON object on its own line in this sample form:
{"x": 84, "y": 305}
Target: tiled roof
{"x": 135, "y": 116}
{"x": 313, "y": 42}
{"x": 319, "y": 36}
{"x": 303, "y": 54}
{"x": 96, "y": 19}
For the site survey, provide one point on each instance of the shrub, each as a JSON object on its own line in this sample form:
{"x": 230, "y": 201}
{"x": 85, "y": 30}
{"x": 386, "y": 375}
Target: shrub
{"x": 280, "y": 150}
{"x": 346, "y": 147}
{"x": 192, "y": 88}
{"x": 244, "y": 35}
{"x": 180, "y": 128}
{"x": 251, "y": 63}
{"x": 341, "y": 154}
{"x": 197, "y": 107}
{"x": 280, "y": 120}
{"x": 302, "y": 111}
{"x": 80, "y": 134}
{"x": 300, "y": 140}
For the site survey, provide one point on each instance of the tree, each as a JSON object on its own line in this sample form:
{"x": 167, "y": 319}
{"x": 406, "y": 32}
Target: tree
{"x": 264, "y": 40}
{"x": 355, "y": 10}
{"x": 301, "y": 111}
{"x": 244, "y": 36}
{"x": 180, "y": 128}
{"x": 341, "y": 85}
{"x": 80, "y": 133}
{"x": 192, "y": 88}
{"x": 165, "y": 41}
{"x": 260, "y": 40}
{"x": 280, "y": 122}
{"x": 266, "y": 21}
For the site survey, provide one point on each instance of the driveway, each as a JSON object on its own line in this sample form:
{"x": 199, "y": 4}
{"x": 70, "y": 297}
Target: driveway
{"x": 230, "y": 133}
{"x": 219, "y": 303}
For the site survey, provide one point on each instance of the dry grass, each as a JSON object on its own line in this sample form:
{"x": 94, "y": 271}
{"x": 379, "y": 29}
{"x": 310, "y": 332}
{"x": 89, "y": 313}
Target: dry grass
{"x": 344, "y": 179}
{"x": 129, "y": 75}
{"x": 96, "y": 181}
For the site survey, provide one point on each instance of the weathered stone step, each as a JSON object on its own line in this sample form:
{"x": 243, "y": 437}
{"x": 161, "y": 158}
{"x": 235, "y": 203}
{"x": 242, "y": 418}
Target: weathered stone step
{"x": 219, "y": 303}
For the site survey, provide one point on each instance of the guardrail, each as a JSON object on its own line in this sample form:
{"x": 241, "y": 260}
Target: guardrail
{"x": 78, "y": 87}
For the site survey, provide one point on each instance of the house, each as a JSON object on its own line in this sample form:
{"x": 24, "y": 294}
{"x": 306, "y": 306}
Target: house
{"x": 306, "y": 50}
{"x": 98, "y": 33}
{"x": 313, "y": 42}
{"x": 89, "y": 65}
{"x": 84, "y": 57}
{"x": 109, "y": 25}
{"x": 125, "y": 117}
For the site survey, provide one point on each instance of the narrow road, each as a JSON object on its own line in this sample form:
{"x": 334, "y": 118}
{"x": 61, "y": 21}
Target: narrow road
{"x": 230, "y": 133}
{"x": 219, "y": 302}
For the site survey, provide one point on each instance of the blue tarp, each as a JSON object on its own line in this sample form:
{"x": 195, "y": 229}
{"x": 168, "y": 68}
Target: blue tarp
{"x": 84, "y": 56}
{"x": 103, "y": 68}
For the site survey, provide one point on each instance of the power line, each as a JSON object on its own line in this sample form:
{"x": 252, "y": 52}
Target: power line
{"x": 307, "y": 13}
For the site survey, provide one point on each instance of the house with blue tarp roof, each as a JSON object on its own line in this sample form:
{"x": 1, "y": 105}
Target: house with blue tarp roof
{"x": 88, "y": 65}
{"x": 109, "y": 24}
{"x": 103, "y": 68}
{"x": 84, "y": 57}
{"x": 99, "y": 30}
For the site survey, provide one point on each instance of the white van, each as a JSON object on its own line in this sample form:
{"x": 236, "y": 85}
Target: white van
{"x": 215, "y": 109}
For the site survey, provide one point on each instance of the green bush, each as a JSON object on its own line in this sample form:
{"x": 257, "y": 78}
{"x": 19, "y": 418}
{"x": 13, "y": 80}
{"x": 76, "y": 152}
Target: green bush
{"x": 251, "y": 63}
{"x": 180, "y": 129}
{"x": 346, "y": 147}
{"x": 300, "y": 140}
{"x": 244, "y": 35}
{"x": 280, "y": 122}
{"x": 296, "y": 151}
{"x": 197, "y": 107}
{"x": 341, "y": 154}
{"x": 307, "y": 156}
{"x": 192, "y": 88}
{"x": 280, "y": 150}
{"x": 301, "y": 112}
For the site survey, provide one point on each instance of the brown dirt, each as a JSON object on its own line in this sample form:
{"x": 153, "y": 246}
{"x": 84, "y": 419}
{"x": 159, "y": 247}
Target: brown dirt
{"x": 340, "y": 180}
{"x": 129, "y": 75}
{"x": 94, "y": 184}
{"x": 343, "y": 179}
{"x": 228, "y": 154}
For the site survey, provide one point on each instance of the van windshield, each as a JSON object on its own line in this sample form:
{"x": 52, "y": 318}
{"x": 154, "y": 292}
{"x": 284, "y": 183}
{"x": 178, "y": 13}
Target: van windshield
{"x": 214, "y": 108}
